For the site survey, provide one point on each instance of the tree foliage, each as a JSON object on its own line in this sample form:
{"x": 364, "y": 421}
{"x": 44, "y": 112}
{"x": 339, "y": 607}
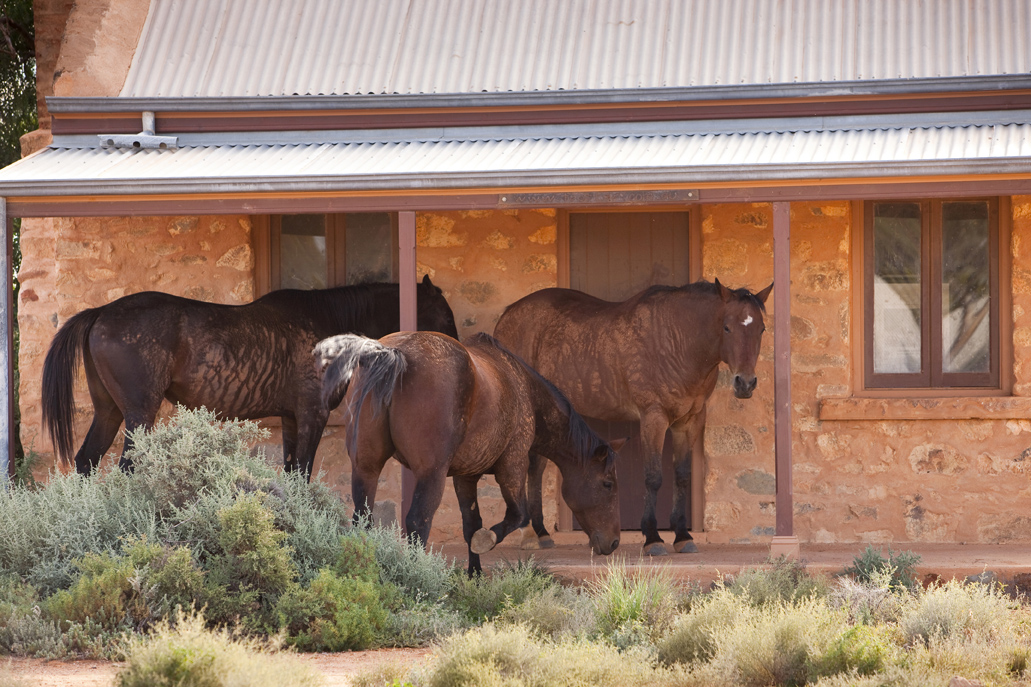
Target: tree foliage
{"x": 17, "y": 77}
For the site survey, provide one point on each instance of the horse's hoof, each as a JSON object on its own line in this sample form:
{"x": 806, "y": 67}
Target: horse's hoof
{"x": 483, "y": 541}
{"x": 546, "y": 542}
{"x": 686, "y": 546}
{"x": 529, "y": 542}
{"x": 656, "y": 549}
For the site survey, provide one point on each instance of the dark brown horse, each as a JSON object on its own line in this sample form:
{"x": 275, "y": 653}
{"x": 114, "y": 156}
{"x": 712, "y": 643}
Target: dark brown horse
{"x": 443, "y": 408}
{"x": 244, "y": 361}
{"x": 652, "y": 358}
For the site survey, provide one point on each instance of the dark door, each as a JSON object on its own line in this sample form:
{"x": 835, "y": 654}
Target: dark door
{"x": 613, "y": 256}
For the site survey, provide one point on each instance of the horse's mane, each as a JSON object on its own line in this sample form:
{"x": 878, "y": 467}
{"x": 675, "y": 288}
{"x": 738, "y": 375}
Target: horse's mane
{"x": 708, "y": 288}
{"x": 584, "y": 439}
{"x": 350, "y": 306}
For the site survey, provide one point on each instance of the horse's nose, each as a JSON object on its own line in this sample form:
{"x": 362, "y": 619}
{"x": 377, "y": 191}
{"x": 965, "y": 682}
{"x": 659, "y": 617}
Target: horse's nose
{"x": 743, "y": 387}
{"x": 603, "y": 547}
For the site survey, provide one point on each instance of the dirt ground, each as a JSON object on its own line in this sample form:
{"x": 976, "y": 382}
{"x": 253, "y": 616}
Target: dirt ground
{"x": 339, "y": 669}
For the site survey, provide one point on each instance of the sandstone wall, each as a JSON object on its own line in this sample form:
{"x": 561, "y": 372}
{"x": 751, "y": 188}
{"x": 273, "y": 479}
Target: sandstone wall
{"x": 855, "y": 480}
{"x": 69, "y": 265}
{"x": 863, "y": 480}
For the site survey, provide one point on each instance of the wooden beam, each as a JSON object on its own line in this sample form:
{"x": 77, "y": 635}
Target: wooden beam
{"x": 6, "y": 345}
{"x": 784, "y": 542}
{"x": 407, "y": 273}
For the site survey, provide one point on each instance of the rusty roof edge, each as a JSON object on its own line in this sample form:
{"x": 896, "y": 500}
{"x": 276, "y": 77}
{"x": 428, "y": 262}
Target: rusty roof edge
{"x": 572, "y": 98}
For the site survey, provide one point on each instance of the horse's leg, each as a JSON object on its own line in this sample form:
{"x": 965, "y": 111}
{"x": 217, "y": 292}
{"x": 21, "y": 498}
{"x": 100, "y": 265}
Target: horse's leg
{"x": 107, "y": 418}
{"x": 289, "y": 443}
{"x": 371, "y": 452}
{"x": 465, "y": 490}
{"x": 684, "y": 435}
{"x": 653, "y": 434}
{"x": 309, "y": 434}
{"x": 429, "y": 490}
{"x": 510, "y": 472}
{"x": 540, "y": 539}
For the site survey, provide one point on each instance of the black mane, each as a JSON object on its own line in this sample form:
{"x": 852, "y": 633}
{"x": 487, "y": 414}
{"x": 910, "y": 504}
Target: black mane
{"x": 584, "y": 439}
{"x": 708, "y": 288}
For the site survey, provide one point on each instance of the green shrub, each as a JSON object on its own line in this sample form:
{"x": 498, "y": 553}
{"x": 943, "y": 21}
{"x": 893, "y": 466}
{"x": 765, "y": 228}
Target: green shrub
{"x": 484, "y": 597}
{"x": 860, "y": 650}
{"x": 512, "y": 656}
{"x": 333, "y": 614}
{"x": 900, "y": 568}
{"x": 784, "y": 580}
{"x": 107, "y": 593}
{"x": 635, "y": 607}
{"x": 253, "y": 568}
{"x": 556, "y": 612}
{"x": 777, "y": 644}
{"x": 173, "y": 581}
{"x": 422, "y": 576}
{"x": 420, "y": 624}
{"x": 960, "y": 611}
{"x": 188, "y": 654}
{"x": 694, "y": 636}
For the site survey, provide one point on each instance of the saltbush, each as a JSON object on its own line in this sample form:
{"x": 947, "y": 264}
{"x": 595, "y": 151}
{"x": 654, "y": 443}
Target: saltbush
{"x": 186, "y": 653}
{"x": 900, "y": 568}
{"x": 513, "y": 656}
{"x": 635, "y": 606}
{"x": 956, "y": 610}
{"x": 484, "y": 597}
{"x": 694, "y": 636}
{"x": 859, "y": 650}
{"x": 333, "y": 614}
{"x": 781, "y": 580}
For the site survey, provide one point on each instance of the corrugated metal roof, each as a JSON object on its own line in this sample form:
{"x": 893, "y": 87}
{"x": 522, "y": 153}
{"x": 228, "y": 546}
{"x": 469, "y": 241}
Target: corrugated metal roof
{"x": 242, "y": 48}
{"x": 451, "y": 159}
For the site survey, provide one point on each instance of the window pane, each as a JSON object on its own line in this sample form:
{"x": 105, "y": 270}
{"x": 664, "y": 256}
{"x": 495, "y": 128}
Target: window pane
{"x": 302, "y": 251}
{"x": 966, "y": 297}
{"x": 897, "y": 298}
{"x": 370, "y": 256}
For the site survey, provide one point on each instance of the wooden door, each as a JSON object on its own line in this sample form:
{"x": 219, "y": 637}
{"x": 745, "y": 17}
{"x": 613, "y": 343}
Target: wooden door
{"x": 613, "y": 256}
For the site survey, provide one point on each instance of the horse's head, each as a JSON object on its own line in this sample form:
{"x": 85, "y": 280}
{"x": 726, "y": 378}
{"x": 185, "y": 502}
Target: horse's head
{"x": 433, "y": 312}
{"x": 742, "y": 333}
{"x": 594, "y": 497}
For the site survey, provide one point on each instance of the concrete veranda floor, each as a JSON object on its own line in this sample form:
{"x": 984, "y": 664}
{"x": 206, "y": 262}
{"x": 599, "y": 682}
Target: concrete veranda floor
{"x": 572, "y": 560}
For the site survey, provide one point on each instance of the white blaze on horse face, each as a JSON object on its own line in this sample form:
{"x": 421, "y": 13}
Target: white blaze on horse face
{"x": 747, "y": 321}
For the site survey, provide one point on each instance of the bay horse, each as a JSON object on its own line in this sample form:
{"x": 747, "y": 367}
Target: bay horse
{"x": 244, "y": 361}
{"x": 653, "y": 358}
{"x": 448, "y": 409}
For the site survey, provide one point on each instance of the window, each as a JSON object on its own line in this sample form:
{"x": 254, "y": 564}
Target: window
{"x": 931, "y": 290}
{"x": 320, "y": 251}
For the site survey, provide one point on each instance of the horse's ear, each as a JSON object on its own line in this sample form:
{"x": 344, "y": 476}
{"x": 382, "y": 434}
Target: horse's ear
{"x": 723, "y": 290}
{"x": 426, "y": 280}
{"x": 617, "y": 444}
{"x": 764, "y": 294}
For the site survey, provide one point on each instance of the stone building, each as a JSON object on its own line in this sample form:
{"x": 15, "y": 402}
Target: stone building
{"x": 873, "y": 155}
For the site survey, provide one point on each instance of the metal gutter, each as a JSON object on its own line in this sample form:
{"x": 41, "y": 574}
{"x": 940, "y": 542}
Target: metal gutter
{"x": 531, "y": 99}
{"x": 509, "y": 179}
{"x": 515, "y": 133}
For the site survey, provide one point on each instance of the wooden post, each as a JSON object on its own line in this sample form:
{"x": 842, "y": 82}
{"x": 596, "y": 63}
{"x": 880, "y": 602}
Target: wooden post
{"x": 6, "y": 346}
{"x": 409, "y": 319}
{"x": 785, "y": 543}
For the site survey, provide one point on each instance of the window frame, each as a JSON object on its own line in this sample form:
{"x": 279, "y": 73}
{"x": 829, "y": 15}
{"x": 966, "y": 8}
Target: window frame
{"x": 267, "y": 247}
{"x": 932, "y": 379}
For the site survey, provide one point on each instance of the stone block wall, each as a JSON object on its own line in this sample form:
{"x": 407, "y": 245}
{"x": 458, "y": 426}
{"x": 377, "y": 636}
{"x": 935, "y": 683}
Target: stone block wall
{"x": 69, "y": 265}
{"x": 855, "y": 480}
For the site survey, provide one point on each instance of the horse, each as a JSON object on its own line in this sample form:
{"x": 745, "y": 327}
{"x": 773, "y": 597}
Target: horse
{"x": 444, "y": 408}
{"x": 245, "y": 361}
{"x": 653, "y": 358}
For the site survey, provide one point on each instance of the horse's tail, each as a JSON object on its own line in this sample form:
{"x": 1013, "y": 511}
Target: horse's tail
{"x": 382, "y": 368}
{"x": 59, "y": 379}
